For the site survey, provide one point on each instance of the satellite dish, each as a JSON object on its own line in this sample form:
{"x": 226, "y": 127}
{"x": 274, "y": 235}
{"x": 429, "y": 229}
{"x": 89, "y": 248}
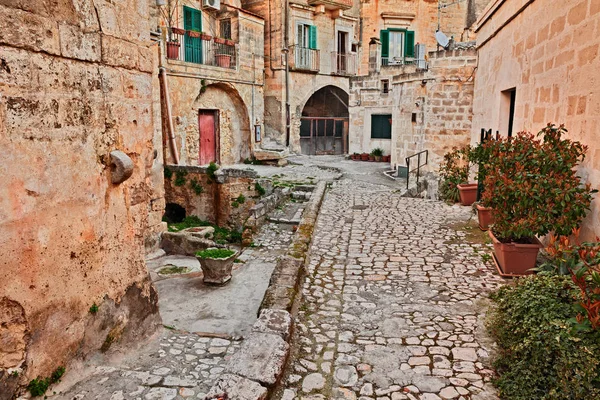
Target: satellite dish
{"x": 442, "y": 39}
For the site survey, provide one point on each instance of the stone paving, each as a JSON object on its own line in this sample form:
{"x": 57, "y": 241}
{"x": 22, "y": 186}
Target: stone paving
{"x": 392, "y": 303}
{"x": 182, "y": 363}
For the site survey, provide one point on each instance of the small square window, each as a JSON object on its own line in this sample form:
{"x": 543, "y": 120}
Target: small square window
{"x": 381, "y": 126}
{"x": 385, "y": 85}
{"x": 414, "y": 117}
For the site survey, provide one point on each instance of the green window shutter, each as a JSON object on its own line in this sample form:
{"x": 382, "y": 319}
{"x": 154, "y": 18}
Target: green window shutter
{"x": 385, "y": 43}
{"x": 409, "y": 44}
{"x": 312, "y": 37}
{"x": 380, "y": 126}
{"x": 187, "y": 18}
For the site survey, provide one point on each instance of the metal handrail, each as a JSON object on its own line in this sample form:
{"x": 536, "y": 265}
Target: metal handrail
{"x": 418, "y": 167}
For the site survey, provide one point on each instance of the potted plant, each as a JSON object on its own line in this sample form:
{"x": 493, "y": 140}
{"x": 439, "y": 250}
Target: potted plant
{"x": 168, "y": 11}
{"x": 532, "y": 186}
{"x": 377, "y": 153}
{"x": 386, "y": 158}
{"x": 219, "y": 40}
{"x": 205, "y": 36}
{"x": 194, "y": 34}
{"x": 355, "y": 156}
{"x": 481, "y": 155}
{"x": 364, "y": 157}
{"x": 223, "y": 60}
{"x": 454, "y": 172}
{"x": 216, "y": 264}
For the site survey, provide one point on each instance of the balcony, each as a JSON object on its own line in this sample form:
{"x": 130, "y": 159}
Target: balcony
{"x": 343, "y": 63}
{"x": 197, "y": 48}
{"x": 332, "y": 4}
{"x": 304, "y": 59}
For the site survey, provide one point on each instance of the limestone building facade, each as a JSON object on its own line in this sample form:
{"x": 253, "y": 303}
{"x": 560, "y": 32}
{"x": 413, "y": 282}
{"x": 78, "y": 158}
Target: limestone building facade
{"x": 212, "y": 59}
{"x": 311, "y": 49}
{"x": 538, "y": 63}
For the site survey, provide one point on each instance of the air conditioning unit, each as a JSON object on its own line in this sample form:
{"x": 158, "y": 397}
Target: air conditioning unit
{"x": 214, "y": 4}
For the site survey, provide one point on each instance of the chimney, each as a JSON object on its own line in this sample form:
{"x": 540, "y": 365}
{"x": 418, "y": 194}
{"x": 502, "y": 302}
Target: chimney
{"x": 374, "y": 55}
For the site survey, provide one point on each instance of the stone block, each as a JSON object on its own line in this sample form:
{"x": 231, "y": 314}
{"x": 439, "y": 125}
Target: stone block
{"x": 74, "y": 43}
{"x": 236, "y": 387}
{"x": 278, "y": 322}
{"x": 261, "y": 358}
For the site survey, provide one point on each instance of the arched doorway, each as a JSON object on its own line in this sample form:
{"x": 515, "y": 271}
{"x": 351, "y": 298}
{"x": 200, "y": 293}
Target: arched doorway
{"x": 324, "y": 122}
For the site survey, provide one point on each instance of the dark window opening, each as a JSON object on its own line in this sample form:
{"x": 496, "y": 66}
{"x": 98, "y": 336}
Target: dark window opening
{"x": 225, "y": 28}
{"x": 507, "y": 111}
{"x": 414, "y": 117}
{"x": 174, "y": 213}
{"x": 381, "y": 126}
{"x": 354, "y": 48}
{"x": 385, "y": 86}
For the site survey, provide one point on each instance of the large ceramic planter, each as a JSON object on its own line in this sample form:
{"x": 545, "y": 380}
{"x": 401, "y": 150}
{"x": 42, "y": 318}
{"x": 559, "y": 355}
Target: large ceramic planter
{"x": 515, "y": 259}
{"x": 364, "y": 157}
{"x": 377, "y": 158}
{"x": 217, "y": 271}
{"x": 485, "y": 217}
{"x": 468, "y": 193}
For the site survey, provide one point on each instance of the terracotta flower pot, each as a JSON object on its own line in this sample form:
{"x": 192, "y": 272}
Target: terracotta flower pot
{"x": 364, "y": 157}
{"x": 515, "y": 258}
{"x": 223, "y": 60}
{"x": 220, "y": 40}
{"x": 173, "y": 50}
{"x": 205, "y": 37}
{"x": 485, "y": 216}
{"x": 194, "y": 34}
{"x": 371, "y": 158}
{"x": 178, "y": 31}
{"x": 217, "y": 270}
{"x": 468, "y": 193}
{"x": 385, "y": 158}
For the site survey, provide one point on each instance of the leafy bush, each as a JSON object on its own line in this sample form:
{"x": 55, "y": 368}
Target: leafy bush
{"x": 532, "y": 186}
{"x": 39, "y": 386}
{"x": 215, "y": 253}
{"x": 180, "y": 177}
{"x": 541, "y": 357}
{"x": 377, "y": 152}
{"x": 210, "y": 171}
{"x": 196, "y": 186}
{"x": 454, "y": 170}
{"x": 259, "y": 189}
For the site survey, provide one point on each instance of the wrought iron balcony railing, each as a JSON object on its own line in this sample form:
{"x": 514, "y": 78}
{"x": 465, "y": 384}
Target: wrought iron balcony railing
{"x": 343, "y": 63}
{"x": 304, "y": 59}
{"x": 198, "y": 48}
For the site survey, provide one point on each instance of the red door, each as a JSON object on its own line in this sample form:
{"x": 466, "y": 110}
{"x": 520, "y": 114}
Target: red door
{"x": 208, "y": 142}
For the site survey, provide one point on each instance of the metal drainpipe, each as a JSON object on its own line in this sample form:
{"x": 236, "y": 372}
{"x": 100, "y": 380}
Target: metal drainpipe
{"x": 287, "y": 74}
{"x": 170, "y": 130}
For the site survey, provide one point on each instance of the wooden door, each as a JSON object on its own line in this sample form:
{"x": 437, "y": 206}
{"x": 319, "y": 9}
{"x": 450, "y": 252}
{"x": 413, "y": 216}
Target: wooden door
{"x": 208, "y": 137}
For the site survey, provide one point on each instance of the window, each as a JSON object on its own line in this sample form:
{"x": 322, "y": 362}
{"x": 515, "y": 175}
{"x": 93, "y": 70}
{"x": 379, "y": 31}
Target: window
{"x": 225, "y": 28}
{"x": 396, "y": 45}
{"x": 385, "y": 86}
{"x": 306, "y": 36}
{"x": 381, "y": 126}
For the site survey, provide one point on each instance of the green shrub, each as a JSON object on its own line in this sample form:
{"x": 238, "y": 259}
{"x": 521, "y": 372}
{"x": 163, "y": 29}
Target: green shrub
{"x": 541, "y": 356}
{"x": 196, "y": 186}
{"x": 210, "y": 171}
{"x": 241, "y": 199}
{"x": 377, "y": 152}
{"x": 259, "y": 189}
{"x": 454, "y": 170}
{"x": 215, "y": 253}
{"x": 180, "y": 177}
{"x": 168, "y": 172}
{"x": 39, "y": 386}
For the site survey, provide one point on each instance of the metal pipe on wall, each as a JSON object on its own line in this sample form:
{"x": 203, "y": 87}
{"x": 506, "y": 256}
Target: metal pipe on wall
{"x": 170, "y": 129}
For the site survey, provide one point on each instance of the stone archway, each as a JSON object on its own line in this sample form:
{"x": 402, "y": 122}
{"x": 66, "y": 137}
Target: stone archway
{"x": 324, "y": 122}
{"x": 232, "y": 122}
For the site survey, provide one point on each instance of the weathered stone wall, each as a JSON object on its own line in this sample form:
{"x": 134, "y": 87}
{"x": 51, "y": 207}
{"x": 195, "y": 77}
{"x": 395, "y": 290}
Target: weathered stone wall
{"x": 216, "y": 202}
{"x": 236, "y": 93}
{"x": 548, "y": 52}
{"x": 431, "y": 110}
{"x": 75, "y": 83}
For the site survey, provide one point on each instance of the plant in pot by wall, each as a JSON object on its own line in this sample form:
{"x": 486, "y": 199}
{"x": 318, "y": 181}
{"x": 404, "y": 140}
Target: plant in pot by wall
{"x": 532, "y": 186}
{"x": 223, "y": 60}
{"x": 205, "y": 36}
{"x": 377, "y": 153}
{"x": 169, "y": 16}
{"x": 480, "y": 155}
{"x": 364, "y": 157}
{"x": 216, "y": 264}
{"x": 386, "y": 158}
{"x": 454, "y": 171}
{"x": 355, "y": 156}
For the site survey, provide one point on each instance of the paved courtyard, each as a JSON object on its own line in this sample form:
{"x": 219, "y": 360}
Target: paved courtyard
{"x": 393, "y": 301}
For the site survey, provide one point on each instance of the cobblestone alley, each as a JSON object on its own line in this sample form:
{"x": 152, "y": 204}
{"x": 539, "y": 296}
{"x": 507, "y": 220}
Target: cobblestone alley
{"x": 392, "y": 304}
